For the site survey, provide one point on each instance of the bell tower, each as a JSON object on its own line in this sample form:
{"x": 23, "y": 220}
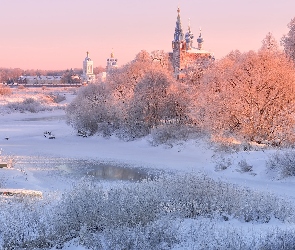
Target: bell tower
{"x": 88, "y": 75}
{"x": 111, "y": 62}
{"x": 184, "y": 54}
{"x": 178, "y": 44}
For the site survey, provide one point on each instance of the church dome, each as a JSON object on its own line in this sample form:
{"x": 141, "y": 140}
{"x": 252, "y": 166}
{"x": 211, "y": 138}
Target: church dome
{"x": 189, "y": 36}
{"x": 200, "y": 39}
{"x": 87, "y": 58}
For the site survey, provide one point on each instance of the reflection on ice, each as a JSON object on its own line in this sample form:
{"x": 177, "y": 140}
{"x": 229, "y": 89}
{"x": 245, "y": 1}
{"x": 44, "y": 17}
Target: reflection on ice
{"x": 111, "y": 172}
{"x": 47, "y": 118}
{"x": 79, "y": 168}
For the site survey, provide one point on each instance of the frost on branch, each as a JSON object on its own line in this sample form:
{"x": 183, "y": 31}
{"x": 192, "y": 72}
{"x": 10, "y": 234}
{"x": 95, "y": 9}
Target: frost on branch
{"x": 282, "y": 163}
{"x": 251, "y": 96}
{"x": 269, "y": 43}
{"x": 288, "y": 41}
{"x": 147, "y": 215}
{"x": 136, "y": 98}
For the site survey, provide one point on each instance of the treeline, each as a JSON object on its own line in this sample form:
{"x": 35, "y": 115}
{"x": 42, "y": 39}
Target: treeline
{"x": 10, "y": 75}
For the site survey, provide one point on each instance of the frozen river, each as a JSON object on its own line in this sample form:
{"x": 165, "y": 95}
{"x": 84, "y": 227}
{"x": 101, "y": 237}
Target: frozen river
{"x": 44, "y": 164}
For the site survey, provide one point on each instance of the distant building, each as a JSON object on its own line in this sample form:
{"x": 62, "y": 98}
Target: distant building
{"x": 88, "y": 75}
{"x": 111, "y": 63}
{"x": 39, "y": 80}
{"x": 184, "y": 53}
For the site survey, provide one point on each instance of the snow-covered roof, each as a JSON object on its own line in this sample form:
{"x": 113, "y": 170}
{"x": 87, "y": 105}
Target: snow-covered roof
{"x": 41, "y": 77}
{"x": 197, "y": 51}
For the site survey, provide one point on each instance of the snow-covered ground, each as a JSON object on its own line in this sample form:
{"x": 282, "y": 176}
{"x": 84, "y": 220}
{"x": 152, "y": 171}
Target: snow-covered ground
{"x": 27, "y": 141}
{"x": 44, "y": 164}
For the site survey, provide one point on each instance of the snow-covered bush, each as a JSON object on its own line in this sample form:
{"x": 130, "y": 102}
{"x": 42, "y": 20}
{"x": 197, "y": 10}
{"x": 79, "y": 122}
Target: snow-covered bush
{"x": 28, "y": 225}
{"x": 173, "y": 133}
{"x": 244, "y": 166}
{"x": 5, "y": 90}
{"x": 204, "y": 234}
{"x": 201, "y": 233}
{"x": 283, "y": 163}
{"x": 29, "y": 104}
{"x": 221, "y": 162}
{"x": 278, "y": 239}
{"x": 56, "y": 97}
{"x": 136, "y": 214}
{"x": 91, "y": 110}
{"x": 160, "y": 234}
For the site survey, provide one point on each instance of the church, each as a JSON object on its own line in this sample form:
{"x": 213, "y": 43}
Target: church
{"x": 183, "y": 53}
{"x": 88, "y": 75}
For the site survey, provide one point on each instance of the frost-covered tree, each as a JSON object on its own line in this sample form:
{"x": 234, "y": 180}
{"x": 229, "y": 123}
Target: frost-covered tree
{"x": 288, "y": 41}
{"x": 10, "y": 75}
{"x": 194, "y": 70}
{"x": 269, "y": 43}
{"x": 90, "y": 109}
{"x": 157, "y": 97}
{"x": 162, "y": 58}
{"x": 134, "y": 99}
{"x": 251, "y": 95}
{"x": 124, "y": 79}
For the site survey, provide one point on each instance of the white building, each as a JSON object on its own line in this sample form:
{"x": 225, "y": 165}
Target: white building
{"x": 111, "y": 62}
{"x": 88, "y": 75}
{"x": 40, "y": 80}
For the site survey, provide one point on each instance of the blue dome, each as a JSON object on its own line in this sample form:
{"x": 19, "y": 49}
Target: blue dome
{"x": 200, "y": 39}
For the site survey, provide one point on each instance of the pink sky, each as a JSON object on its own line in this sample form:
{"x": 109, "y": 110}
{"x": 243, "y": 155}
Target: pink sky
{"x": 55, "y": 34}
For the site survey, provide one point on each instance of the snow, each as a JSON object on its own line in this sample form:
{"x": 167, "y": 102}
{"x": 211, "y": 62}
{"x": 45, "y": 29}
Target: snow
{"x": 197, "y": 51}
{"x": 28, "y": 145}
{"x": 26, "y": 139}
